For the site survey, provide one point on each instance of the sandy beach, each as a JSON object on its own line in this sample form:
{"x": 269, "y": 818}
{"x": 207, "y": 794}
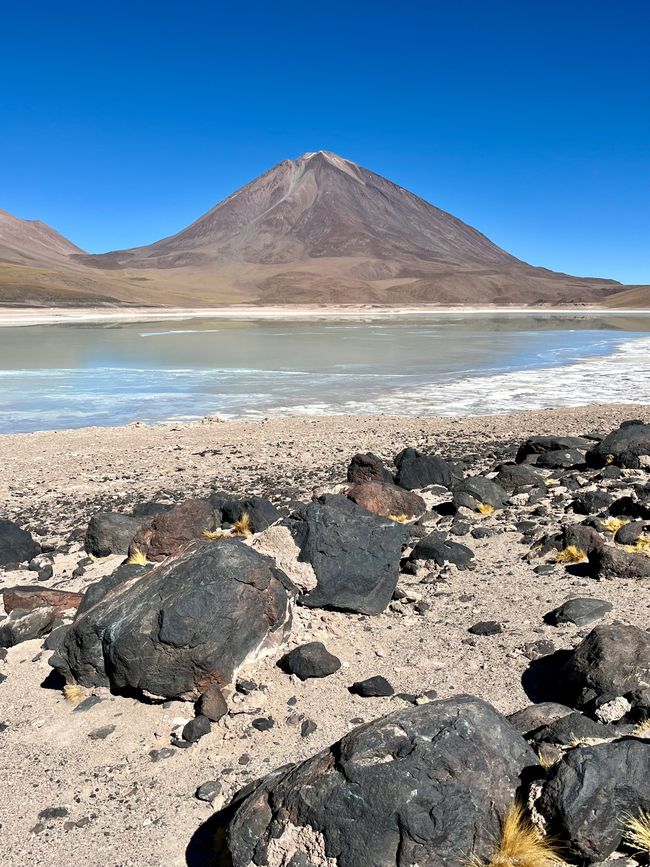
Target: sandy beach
{"x": 97, "y": 766}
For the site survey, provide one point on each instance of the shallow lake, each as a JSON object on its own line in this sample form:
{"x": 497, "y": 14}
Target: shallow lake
{"x": 74, "y": 375}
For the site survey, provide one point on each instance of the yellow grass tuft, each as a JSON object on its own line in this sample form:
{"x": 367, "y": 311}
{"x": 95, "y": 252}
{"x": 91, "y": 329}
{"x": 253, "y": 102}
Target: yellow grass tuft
{"x": 571, "y": 554}
{"x": 550, "y": 483}
{"x": 641, "y": 546}
{"x": 615, "y": 524}
{"x": 521, "y": 844}
{"x": 642, "y": 730}
{"x": 137, "y": 558}
{"x": 546, "y": 760}
{"x": 637, "y": 832}
{"x": 216, "y": 534}
{"x": 401, "y": 519}
{"x": 73, "y": 693}
{"x": 484, "y": 509}
{"x": 242, "y": 527}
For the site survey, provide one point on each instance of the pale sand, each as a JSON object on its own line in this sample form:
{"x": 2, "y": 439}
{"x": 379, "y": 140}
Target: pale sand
{"x": 15, "y": 316}
{"x": 142, "y": 814}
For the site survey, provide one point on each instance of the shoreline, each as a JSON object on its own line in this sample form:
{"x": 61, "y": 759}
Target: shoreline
{"x": 23, "y": 316}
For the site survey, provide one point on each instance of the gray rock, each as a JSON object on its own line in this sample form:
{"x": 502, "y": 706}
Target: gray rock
{"x": 623, "y": 447}
{"x": 580, "y": 611}
{"x": 111, "y": 533}
{"x": 16, "y": 544}
{"x": 196, "y": 729}
{"x": 423, "y": 785}
{"x": 310, "y": 660}
{"x": 561, "y": 459}
{"x": 355, "y": 555}
{"x": 209, "y": 791}
{"x": 514, "y": 477}
{"x": 612, "y": 660}
{"x": 95, "y": 592}
{"x": 190, "y": 622}
{"x": 475, "y": 490}
{"x": 590, "y": 791}
{"x": 441, "y": 550}
{"x": 24, "y": 625}
{"x": 541, "y": 444}
{"x": 417, "y": 470}
{"x": 537, "y": 715}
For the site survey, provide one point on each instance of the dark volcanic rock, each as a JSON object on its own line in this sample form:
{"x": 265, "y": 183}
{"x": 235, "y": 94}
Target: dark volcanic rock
{"x": 417, "y": 470}
{"x": 368, "y": 468}
{"x": 581, "y": 536}
{"x": 623, "y": 447}
{"x": 630, "y": 533}
{"x": 592, "y": 502}
{"x": 423, "y": 785}
{"x": 542, "y": 444}
{"x": 579, "y": 611}
{"x": 196, "y": 729}
{"x": 612, "y": 660}
{"x": 574, "y": 727}
{"x": 475, "y": 490}
{"x": 590, "y": 792}
{"x": 16, "y": 544}
{"x": 175, "y": 630}
{"x": 24, "y": 625}
{"x": 310, "y": 660}
{"x": 441, "y": 550}
{"x": 513, "y": 477}
{"x": 486, "y": 627}
{"x": 212, "y": 703}
{"x": 561, "y": 459}
{"x": 111, "y": 533}
{"x": 537, "y": 715}
{"x": 261, "y": 512}
{"x": 386, "y": 499}
{"x": 28, "y": 598}
{"x": 612, "y": 562}
{"x": 355, "y": 555}
{"x": 170, "y": 531}
{"x": 372, "y": 687}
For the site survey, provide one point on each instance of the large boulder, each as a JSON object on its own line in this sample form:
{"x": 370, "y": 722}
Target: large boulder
{"x": 475, "y": 491}
{"x": 613, "y": 562}
{"x": 417, "y": 470}
{"x": 28, "y": 598}
{"x": 612, "y": 660}
{"x": 16, "y": 544}
{"x": 174, "y": 630}
{"x": 540, "y": 444}
{"x": 386, "y": 499}
{"x": 355, "y": 554}
{"x": 170, "y": 531}
{"x": 111, "y": 533}
{"x": 437, "y": 547}
{"x": 626, "y": 447}
{"x": 590, "y": 793}
{"x": 368, "y": 468}
{"x": 98, "y": 589}
{"x": 426, "y": 785}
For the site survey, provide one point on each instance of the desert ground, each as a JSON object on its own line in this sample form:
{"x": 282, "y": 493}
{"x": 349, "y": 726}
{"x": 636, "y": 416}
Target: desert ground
{"x": 89, "y": 785}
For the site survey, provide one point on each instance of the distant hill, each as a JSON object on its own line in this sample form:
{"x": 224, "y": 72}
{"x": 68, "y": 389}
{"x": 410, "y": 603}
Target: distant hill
{"x": 319, "y": 229}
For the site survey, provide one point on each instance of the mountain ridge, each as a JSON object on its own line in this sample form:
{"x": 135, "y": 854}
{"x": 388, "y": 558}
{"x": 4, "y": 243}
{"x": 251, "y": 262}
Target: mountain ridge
{"x": 318, "y": 229}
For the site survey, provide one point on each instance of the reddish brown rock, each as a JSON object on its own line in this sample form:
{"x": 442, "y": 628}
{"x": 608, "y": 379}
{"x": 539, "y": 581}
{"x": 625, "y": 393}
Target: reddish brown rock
{"x": 30, "y": 598}
{"x": 386, "y": 499}
{"x": 170, "y": 531}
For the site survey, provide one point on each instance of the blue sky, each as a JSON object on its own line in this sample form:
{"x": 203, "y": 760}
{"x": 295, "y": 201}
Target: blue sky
{"x": 120, "y": 122}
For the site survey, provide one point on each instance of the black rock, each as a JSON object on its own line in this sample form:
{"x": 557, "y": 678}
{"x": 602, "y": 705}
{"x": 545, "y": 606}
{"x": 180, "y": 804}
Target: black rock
{"x": 307, "y": 728}
{"x": 196, "y": 729}
{"x": 24, "y": 625}
{"x": 537, "y": 715}
{"x": 16, "y": 544}
{"x": 630, "y": 533}
{"x": 310, "y": 660}
{"x": 592, "y": 502}
{"x": 417, "y": 470}
{"x": 111, "y": 533}
{"x": 209, "y": 791}
{"x": 441, "y": 550}
{"x": 261, "y": 512}
{"x": 623, "y": 447}
{"x": 192, "y": 620}
{"x": 99, "y": 589}
{"x": 514, "y": 477}
{"x": 368, "y": 468}
{"x": 561, "y": 459}
{"x": 46, "y": 572}
{"x": 590, "y": 791}
{"x": 542, "y": 444}
{"x": 355, "y": 555}
{"x": 263, "y": 723}
{"x": 486, "y": 627}
{"x": 574, "y": 727}
{"x": 476, "y": 490}
{"x": 150, "y": 509}
{"x": 372, "y": 687}
{"x": 419, "y": 786}
{"x": 579, "y": 611}
{"x": 612, "y": 660}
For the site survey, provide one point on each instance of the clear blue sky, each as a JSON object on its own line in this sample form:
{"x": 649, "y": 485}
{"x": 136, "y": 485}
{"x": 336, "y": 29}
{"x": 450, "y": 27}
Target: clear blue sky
{"x": 122, "y": 122}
